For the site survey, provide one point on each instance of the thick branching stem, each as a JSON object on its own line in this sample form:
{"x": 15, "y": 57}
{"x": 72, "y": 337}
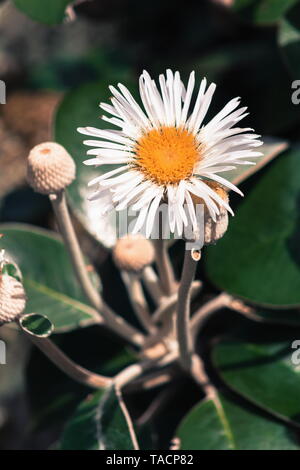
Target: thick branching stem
{"x": 69, "y": 367}
{"x": 112, "y": 320}
{"x": 184, "y": 338}
{"x": 164, "y": 266}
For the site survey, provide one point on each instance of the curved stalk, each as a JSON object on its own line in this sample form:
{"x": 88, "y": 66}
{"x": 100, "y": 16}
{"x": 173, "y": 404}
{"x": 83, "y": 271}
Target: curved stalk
{"x": 183, "y": 332}
{"x": 151, "y": 283}
{"x": 112, "y": 320}
{"x": 169, "y": 303}
{"x": 164, "y": 266}
{"x": 138, "y": 301}
{"x": 69, "y": 367}
{"x": 66, "y": 228}
{"x": 220, "y": 301}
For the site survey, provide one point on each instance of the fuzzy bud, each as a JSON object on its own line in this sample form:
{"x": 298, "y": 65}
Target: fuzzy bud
{"x": 213, "y": 231}
{"x": 133, "y": 253}
{"x": 50, "y": 168}
{"x": 12, "y": 299}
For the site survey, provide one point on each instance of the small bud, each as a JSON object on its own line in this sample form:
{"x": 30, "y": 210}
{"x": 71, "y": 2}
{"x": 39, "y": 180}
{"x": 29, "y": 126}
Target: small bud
{"x": 133, "y": 253}
{"x": 50, "y": 168}
{"x": 213, "y": 231}
{"x": 12, "y": 299}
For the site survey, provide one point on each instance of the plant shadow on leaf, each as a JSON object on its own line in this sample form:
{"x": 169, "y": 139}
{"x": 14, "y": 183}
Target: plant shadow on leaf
{"x": 253, "y": 363}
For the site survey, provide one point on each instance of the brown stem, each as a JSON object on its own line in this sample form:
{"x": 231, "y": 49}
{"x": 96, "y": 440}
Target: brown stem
{"x": 164, "y": 266}
{"x": 138, "y": 301}
{"x": 210, "y": 307}
{"x": 66, "y": 228}
{"x": 156, "y": 406}
{"x": 200, "y": 376}
{"x": 151, "y": 283}
{"x": 183, "y": 333}
{"x": 127, "y": 417}
{"x": 152, "y": 380}
{"x": 68, "y": 366}
{"x": 170, "y": 302}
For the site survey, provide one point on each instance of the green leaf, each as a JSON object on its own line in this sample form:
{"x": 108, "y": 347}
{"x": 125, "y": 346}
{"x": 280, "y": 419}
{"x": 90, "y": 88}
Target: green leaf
{"x": 53, "y": 12}
{"x": 36, "y": 325}
{"x": 259, "y": 256}
{"x": 98, "y": 424}
{"x": 263, "y": 11}
{"x": 221, "y": 424}
{"x": 289, "y": 41}
{"x": 48, "y": 278}
{"x": 253, "y": 370}
{"x": 80, "y": 109}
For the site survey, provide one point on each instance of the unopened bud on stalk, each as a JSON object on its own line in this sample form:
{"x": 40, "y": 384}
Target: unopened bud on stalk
{"x": 12, "y": 299}
{"x": 133, "y": 253}
{"x": 50, "y": 168}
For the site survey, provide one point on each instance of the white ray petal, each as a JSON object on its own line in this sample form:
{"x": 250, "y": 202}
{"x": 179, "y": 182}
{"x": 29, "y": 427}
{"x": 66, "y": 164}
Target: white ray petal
{"x": 204, "y": 108}
{"x": 177, "y": 98}
{"x": 108, "y": 108}
{"x": 191, "y": 209}
{"x": 107, "y": 175}
{"x": 152, "y": 213}
{"x": 115, "y": 121}
{"x": 141, "y": 219}
{"x": 188, "y": 97}
{"x": 135, "y": 105}
{"x": 210, "y": 192}
{"x": 129, "y": 177}
{"x": 115, "y": 136}
{"x": 201, "y": 191}
{"x": 105, "y": 144}
{"x": 110, "y": 153}
{"x": 192, "y": 119}
{"x": 166, "y": 100}
{"x": 132, "y": 196}
{"x": 228, "y": 108}
{"x": 224, "y": 182}
{"x": 147, "y": 105}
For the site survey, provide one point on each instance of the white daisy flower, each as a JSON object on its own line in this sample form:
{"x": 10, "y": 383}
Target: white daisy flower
{"x": 165, "y": 153}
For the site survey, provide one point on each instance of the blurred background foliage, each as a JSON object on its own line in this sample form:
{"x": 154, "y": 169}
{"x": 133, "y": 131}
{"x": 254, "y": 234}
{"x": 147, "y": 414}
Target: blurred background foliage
{"x": 57, "y": 62}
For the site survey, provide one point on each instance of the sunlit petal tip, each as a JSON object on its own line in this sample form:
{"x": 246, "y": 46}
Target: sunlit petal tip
{"x": 82, "y": 130}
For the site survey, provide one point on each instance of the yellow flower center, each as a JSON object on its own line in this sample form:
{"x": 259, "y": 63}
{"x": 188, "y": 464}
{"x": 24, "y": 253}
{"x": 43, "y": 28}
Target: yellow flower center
{"x": 167, "y": 155}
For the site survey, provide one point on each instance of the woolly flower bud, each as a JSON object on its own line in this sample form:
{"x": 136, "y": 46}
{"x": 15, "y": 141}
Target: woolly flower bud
{"x": 214, "y": 230}
{"x": 50, "y": 168}
{"x": 12, "y": 299}
{"x": 133, "y": 253}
